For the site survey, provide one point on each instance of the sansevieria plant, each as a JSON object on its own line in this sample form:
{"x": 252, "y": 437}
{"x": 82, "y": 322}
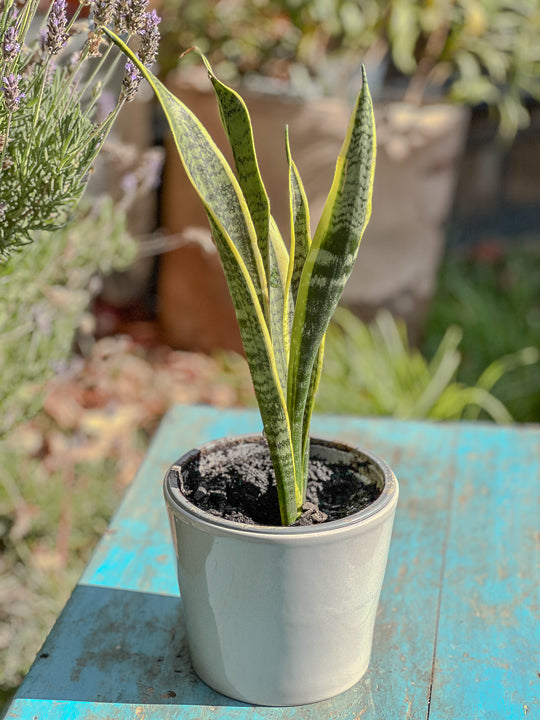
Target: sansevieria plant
{"x": 284, "y": 300}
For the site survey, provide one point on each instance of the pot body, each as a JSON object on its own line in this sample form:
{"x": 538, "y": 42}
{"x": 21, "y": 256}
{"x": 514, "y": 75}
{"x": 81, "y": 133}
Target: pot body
{"x": 276, "y": 615}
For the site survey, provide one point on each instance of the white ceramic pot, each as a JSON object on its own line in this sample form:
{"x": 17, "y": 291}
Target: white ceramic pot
{"x": 277, "y": 615}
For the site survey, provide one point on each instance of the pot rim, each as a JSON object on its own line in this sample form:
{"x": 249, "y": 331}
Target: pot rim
{"x": 375, "y": 512}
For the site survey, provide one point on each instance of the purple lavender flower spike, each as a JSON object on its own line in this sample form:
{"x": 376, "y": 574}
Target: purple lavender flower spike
{"x": 138, "y": 12}
{"x": 10, "y": 46}
{"x": 131, "y": 81}
{"x": 56, "y": 38}
{"x": 150, "y": 36}
{"x": 130, "y": 15}
{"x": 10, "y": 89}
{"x": 103, "y": 11}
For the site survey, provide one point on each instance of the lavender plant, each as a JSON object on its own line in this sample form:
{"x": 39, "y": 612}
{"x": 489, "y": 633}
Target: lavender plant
{"x": 52, "y": 125}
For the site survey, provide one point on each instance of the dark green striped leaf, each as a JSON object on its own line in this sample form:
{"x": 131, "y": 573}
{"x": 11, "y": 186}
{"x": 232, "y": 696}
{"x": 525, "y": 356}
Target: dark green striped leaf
{"x": 209, "y": 173}
{"x": 300, "y": 239}
{"x": 331, "y": 258}
{"x": 283, "y": 304}
{"x": 300, "y": 230}
{"x": 234, "y": 234}
{"x": 277, "y": 289}
{"x": 237, "y": 123}
{"x": 264, "y": 374}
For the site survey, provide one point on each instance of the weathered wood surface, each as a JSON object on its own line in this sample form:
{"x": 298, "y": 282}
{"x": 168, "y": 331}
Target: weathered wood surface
{"x": 455, "y": 637}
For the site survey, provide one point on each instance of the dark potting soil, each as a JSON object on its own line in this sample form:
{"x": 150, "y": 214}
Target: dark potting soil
{"x": 237, "y": 482}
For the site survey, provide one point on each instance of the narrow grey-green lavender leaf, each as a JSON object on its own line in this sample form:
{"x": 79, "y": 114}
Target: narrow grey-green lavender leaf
{"x": 331, "y": 258}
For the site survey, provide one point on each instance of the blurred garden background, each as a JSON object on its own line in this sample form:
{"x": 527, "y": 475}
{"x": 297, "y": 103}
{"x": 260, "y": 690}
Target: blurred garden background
{"x": 123, "y": 312}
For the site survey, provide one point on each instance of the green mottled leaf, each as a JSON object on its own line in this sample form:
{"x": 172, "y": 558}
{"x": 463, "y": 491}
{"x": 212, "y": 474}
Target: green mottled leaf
{"x": 209, "y": 173}
{"x": 237, "y": 123}
{"x": 300, "y": 228}
{"x": 262, "y": 365}
{"x": 315, "y": 379}
{"x": 234, "y": 233}
{"x": 277, "y": 291}
{"x": 300, "y": 244}
{"x": 331, "y": 257}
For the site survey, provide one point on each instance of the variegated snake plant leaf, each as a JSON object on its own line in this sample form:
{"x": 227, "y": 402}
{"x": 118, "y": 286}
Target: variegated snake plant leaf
{"x": 284, "y": 300}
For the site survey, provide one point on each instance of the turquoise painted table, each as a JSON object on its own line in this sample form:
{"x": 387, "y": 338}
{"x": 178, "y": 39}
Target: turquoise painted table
{"x": 455, "y": 634}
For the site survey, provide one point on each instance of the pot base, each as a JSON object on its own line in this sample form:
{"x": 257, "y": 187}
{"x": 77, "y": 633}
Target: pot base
{"x": 287, "y": 697}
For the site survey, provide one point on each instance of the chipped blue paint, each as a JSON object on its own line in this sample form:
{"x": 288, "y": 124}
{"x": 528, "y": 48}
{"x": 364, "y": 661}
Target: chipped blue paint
{"x": 488, "y": 633}
{"x": 454, "y": 636}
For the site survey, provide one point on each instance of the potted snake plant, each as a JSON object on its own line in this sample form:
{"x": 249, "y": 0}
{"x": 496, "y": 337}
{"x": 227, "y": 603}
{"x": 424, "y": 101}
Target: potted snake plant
{"x": 281, "y": 540}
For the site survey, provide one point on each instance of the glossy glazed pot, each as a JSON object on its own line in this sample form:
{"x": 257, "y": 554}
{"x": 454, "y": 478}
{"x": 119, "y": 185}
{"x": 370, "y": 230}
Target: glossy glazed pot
{"x": 282, "y": 615}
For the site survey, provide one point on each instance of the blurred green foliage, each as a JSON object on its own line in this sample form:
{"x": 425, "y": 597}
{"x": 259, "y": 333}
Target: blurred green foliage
{"x": 48, "y": 511}
{"x": 292, "y": 40}
{"x": 493, "y": 294}
{"x": 371, "y": 369}
{"x": 473, "y": 51}
{"x": 480, "y": 51}
{"x": 45, "y": 290}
